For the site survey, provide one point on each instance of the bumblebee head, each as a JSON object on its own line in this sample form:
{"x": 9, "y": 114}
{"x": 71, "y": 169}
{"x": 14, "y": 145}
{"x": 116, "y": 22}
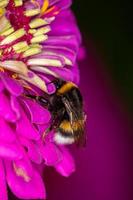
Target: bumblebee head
{"x": 58, "y": 83}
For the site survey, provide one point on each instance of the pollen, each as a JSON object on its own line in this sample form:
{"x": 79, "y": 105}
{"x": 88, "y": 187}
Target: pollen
{"x": 14, "y": 76}
{"x": 20, "y": 172}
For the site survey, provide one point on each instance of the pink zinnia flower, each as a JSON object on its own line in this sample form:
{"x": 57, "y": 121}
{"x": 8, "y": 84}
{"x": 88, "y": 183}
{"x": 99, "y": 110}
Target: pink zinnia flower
{"x": 39, "y": 41}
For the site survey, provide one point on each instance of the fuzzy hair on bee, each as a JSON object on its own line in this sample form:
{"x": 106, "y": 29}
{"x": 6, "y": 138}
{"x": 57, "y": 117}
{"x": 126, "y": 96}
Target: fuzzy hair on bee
{"x": 66, "y": 107}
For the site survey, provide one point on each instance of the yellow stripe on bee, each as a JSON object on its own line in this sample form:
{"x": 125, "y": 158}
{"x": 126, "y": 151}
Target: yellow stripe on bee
{"x": 68, "y": 127}
{"x": 44, "y": 7}
{"x": 66, "y": 87}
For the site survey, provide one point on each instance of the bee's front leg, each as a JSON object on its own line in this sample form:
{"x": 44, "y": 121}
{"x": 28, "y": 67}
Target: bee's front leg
{"x": 55, "y": 122}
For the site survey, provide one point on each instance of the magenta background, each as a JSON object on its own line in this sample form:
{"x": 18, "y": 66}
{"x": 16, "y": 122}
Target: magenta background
{"x": 104, "y": 166}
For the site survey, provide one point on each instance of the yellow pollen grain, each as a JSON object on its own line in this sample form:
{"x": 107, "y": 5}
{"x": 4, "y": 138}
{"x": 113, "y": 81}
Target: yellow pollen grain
{"x": 44, "y": 7}
{"x": 20, "y": 172}
{"x": 14, "y": 76}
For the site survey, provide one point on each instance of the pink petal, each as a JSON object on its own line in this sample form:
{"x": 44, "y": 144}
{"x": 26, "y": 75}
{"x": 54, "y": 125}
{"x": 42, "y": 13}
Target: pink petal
{"x": 15, "y": 106}
{"x": 1, "y": 86}
{"x": 39, "y": 115}
{"x": 25, "y": 128}
{"x": 50, "y": 153}
{"x": 3, "y": 189}
{"x": 66, "y": 166}
{"x": 12, "y": 85}
{"x": 10, "y": 151}
{"x": 32, "y": 150}
{"x": 34, "y": 189}
{"x": 6, "y": 133}
{"x": 24, "y": 165}
{"x": 5, "y": 108}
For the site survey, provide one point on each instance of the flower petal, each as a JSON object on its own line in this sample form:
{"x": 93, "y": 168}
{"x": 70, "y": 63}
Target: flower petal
{"x": 63, "y": 4}
{"x": 50, "y": 153}
{"x": 5, "y": 109}
{"x": 15, "y": 106}
{"x": 1, "y": 86}
{"x": 66, "y": 166}
{"x": 34, "y": 189}
{"x": 25, "y": 128}
{"x": 32, "y": 150}
{"x": 6, "y": 133}
{"x": 39, "y": 115}
{"x": 23, "y": 168}
{"x": 12, "y": 85}
{"x": 11, "y": 151}
{"x": 3, "y": 189}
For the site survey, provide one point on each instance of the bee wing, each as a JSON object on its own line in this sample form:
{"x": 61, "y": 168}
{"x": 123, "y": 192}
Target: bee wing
{"x": 74, "y": 115}
{"x": 72, "y": 112}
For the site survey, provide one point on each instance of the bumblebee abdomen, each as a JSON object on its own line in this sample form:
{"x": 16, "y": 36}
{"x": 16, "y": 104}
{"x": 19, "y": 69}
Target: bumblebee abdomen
{"x": 68, "y": 133}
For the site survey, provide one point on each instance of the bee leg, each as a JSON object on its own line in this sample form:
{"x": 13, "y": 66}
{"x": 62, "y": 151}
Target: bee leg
{"x": 56, "y": 120}
{"x": 42, "y": 100}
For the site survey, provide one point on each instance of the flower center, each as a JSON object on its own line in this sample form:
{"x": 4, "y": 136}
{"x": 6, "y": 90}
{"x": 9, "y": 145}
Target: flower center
{"x": 16, "y": 16}
{"x": 23, "y": 30}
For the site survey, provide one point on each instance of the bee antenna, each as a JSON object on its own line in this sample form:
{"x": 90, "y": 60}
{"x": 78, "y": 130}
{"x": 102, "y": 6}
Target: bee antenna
{"x": 53, "y": 81}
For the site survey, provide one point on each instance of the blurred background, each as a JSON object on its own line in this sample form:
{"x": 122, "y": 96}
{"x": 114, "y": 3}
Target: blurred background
{"x": 108, "y": 24}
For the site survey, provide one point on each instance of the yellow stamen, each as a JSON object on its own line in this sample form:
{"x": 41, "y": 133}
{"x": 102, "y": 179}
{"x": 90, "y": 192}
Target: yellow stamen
{"x": 18, "y": 3}
{"x": 14, "y": 36}
{"x": 42, "y": 30}
{"x": 50, "y": 9}
{"x": 20, "y": 45}
{"x": 32, "y": 31}
{"x": 39, "y": 38}
{"x": 37, "y": 23}
{"x": 22, "y": 49}
{"x": 7, "y": 32}
{"x": 33, "y": 12}
{"x": 3, "y": 3}
{"x": 31, "y": 52}
{"x": 44, "y": 7}
{"x": 44, "y": 62}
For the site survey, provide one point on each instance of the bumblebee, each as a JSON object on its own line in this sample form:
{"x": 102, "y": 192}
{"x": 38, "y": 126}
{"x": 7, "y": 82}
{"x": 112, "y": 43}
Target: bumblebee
{"x": 66, "y": 107}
